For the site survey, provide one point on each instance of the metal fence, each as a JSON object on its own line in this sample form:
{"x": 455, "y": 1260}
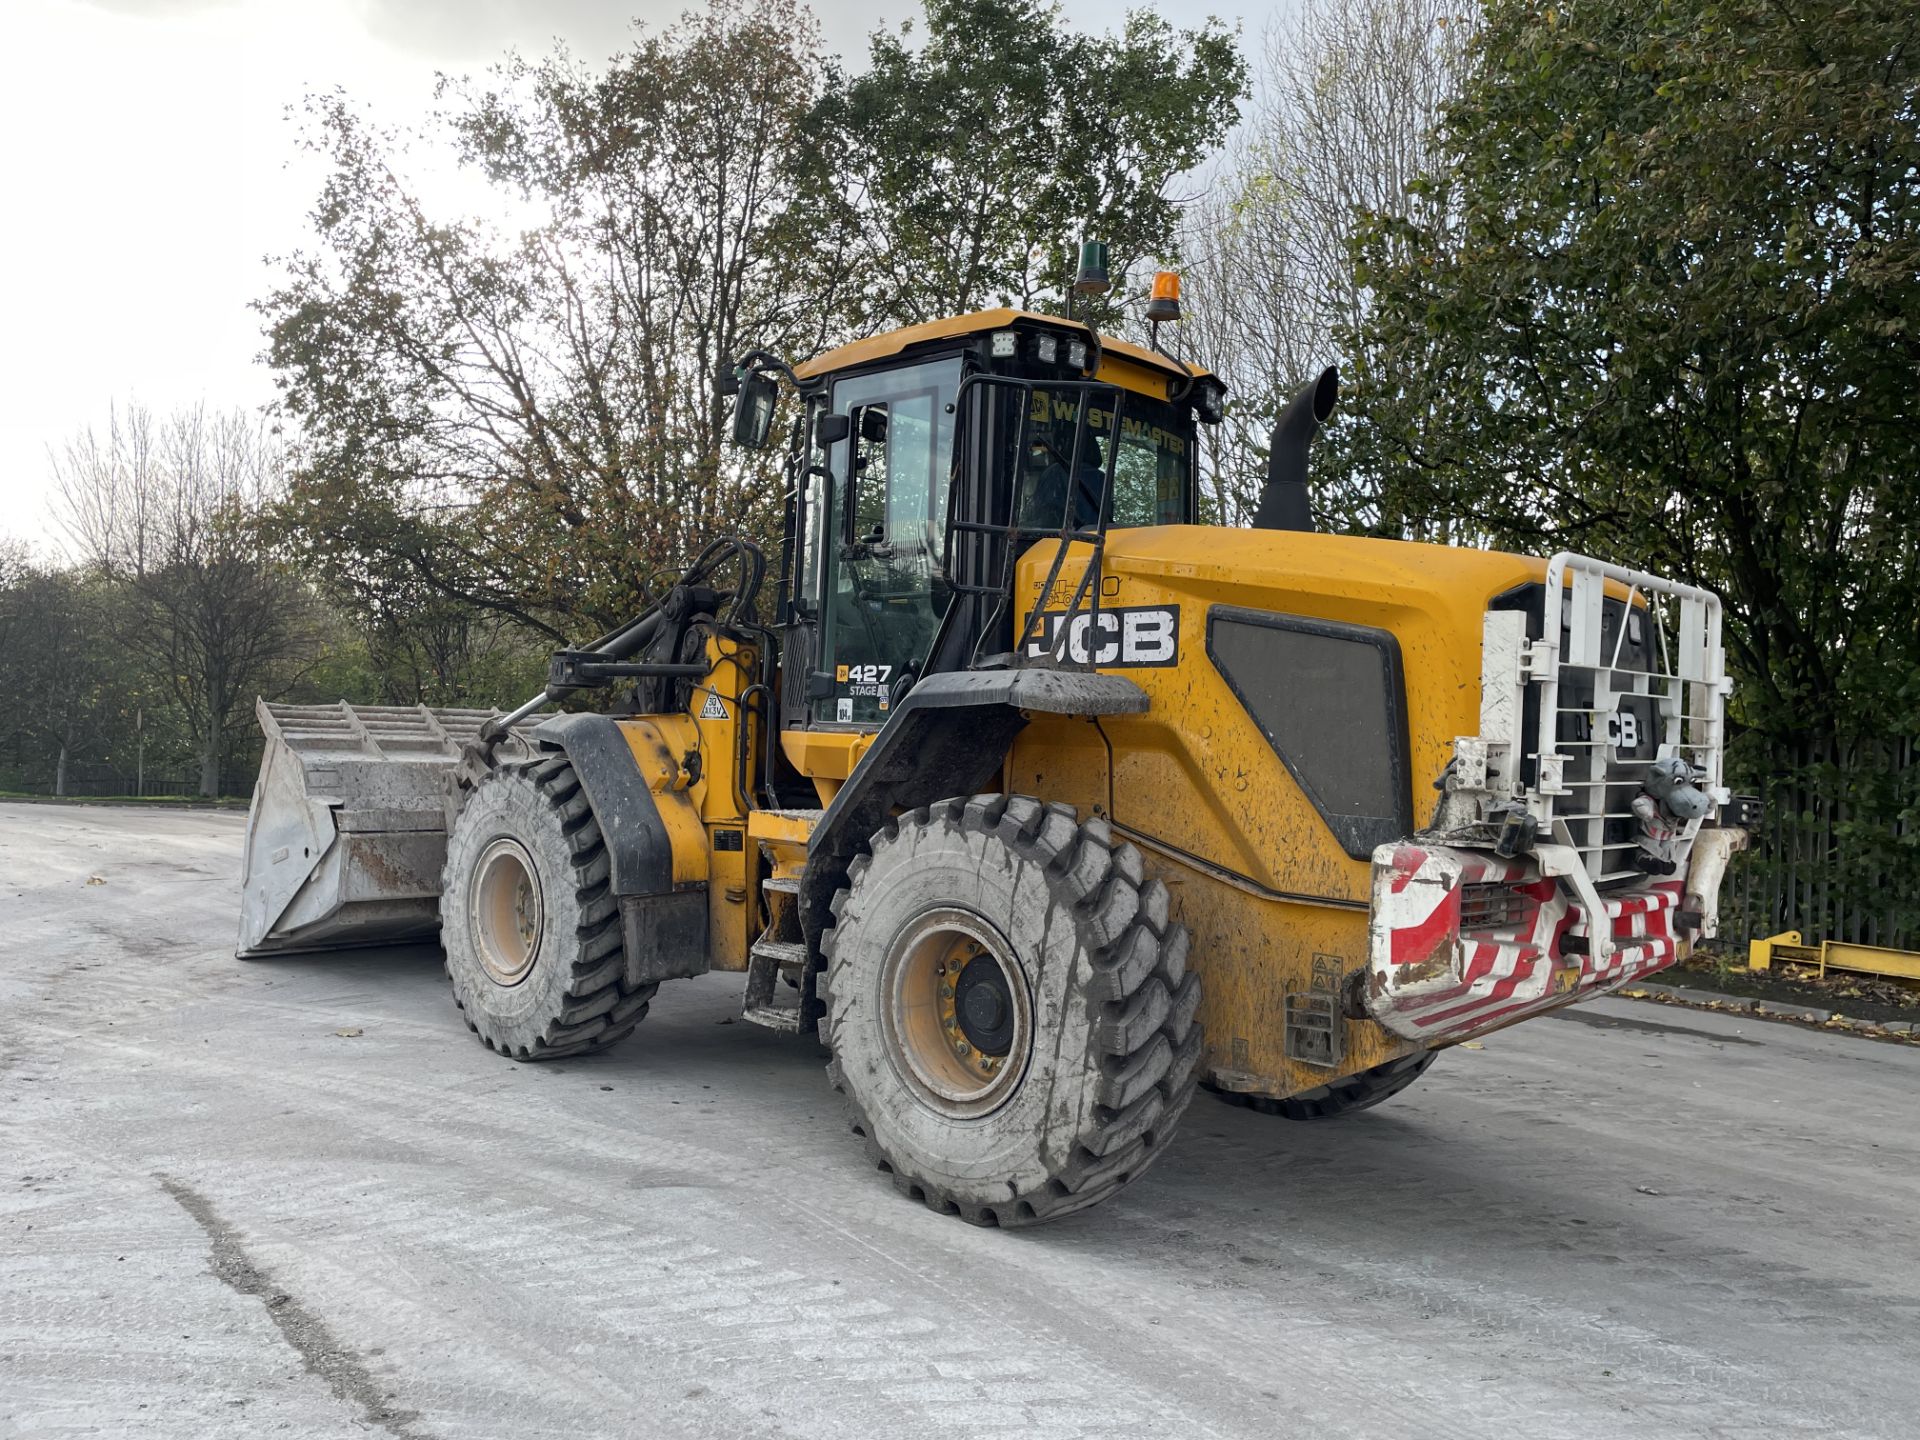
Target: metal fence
{"x": 91, "y": 780}
{"x": 1839, "y": 855}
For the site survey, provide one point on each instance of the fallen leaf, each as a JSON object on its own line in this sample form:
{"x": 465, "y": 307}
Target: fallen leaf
{"x": 348, "y": 1032}
{"x": 96, "y": 879}
{"x": 1471, "y": 1045}
{"x": 1646, "y": 1190}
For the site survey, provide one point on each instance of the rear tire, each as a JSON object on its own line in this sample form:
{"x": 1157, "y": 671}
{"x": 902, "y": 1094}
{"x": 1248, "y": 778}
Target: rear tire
{"x": 529, "y": 921}
{"x": 1009, "y": 1009}
{"x": 1346, "y": 1096}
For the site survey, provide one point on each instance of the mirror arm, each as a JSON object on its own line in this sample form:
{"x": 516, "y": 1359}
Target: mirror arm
{"x": 767, "y": 360}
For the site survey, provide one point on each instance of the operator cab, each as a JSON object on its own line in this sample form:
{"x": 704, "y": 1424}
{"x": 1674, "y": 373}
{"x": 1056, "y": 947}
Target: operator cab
{"x": 927, "y": 459}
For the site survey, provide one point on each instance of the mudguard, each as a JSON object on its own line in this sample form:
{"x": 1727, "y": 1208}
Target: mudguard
{"x": 664, "y": 928}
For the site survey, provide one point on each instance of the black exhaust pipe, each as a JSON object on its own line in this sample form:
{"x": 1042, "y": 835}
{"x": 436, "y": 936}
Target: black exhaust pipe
{"x": 1283, "y": 504}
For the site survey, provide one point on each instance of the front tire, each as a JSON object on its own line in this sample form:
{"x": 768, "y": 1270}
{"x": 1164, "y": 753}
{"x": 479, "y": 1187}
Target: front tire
{"x": 1009, "y": 1009}
{"x": 529, "y": 921}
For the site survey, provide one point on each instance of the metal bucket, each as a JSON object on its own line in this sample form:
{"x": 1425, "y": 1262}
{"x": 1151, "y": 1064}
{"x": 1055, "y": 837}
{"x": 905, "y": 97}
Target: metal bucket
{"x": 348, "y": 830}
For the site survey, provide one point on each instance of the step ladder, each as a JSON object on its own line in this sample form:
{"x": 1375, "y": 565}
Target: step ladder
{"x": 780, "y": 954}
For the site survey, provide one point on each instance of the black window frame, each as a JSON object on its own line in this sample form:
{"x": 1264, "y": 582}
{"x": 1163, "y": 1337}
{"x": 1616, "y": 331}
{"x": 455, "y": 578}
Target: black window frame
{"x": 1354, "y": 832}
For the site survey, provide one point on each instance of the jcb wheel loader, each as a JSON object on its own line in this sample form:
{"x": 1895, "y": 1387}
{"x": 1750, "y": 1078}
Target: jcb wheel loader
{"x": 1047, "y": 801}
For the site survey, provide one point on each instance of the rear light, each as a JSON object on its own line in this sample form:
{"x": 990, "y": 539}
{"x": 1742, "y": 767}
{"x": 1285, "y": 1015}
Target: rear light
{"x": 1491, "y": 906}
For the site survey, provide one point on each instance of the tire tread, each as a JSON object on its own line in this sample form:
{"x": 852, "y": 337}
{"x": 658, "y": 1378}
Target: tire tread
{"x": 1145, "y": 1033}
{"x": 601, "y": 1005}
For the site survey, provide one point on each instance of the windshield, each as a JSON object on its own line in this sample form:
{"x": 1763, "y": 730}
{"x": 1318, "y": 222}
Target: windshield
{"x": 1151, "y": 475}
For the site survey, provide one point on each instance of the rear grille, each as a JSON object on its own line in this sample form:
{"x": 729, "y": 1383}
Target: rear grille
{"x": 1613, "y": 670}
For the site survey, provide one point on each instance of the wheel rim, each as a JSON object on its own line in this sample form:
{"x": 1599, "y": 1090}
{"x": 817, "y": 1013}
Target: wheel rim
{"x": 957, "y": 1013}
{"x": 508, "y": 911}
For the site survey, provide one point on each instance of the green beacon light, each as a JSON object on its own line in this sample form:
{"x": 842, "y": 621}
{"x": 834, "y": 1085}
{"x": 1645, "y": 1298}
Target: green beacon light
{"x": 1093, "y": 278}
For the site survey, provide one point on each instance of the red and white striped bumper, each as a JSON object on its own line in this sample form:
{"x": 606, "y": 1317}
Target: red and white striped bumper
{"x": 1460, "y": 941}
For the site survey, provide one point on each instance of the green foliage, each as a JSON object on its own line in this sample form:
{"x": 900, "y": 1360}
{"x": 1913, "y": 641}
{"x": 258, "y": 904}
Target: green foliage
{"x": 964, "y": 165}
{"x": 1668, "y": 317}
{"x": 529, "y": 421}
{"x": 84, "y": 710}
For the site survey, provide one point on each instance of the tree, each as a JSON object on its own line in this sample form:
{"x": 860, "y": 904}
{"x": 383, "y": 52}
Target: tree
{"x": 54, "y": 667}
{"x": 164, "y": 513}
{"x": 530, "y": 422}
{"x": 1674, "y": 323}
{"x": 1347, "y": 95}
{"x": 963, "y": 171}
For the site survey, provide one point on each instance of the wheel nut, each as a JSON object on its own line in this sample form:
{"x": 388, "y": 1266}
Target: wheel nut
{"x": 946, "y": 992}
{"x": 962, "y": 1049}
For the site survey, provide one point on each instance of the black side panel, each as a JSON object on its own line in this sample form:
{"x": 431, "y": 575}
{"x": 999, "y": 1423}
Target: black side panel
{"x": 1331, "y": 700}
{"x": 636, "y": 837}
{"x": 948, "y": 737}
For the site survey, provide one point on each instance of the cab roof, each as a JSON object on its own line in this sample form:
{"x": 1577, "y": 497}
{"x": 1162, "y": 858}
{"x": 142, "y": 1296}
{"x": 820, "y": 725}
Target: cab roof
{"x": 980, "y": 322}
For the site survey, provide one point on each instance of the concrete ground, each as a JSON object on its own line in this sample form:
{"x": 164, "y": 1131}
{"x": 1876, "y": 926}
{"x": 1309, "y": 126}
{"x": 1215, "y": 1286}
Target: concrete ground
{"x": 296, "y": 1199}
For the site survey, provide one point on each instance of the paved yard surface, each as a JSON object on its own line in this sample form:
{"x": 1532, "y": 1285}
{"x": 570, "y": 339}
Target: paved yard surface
{"x": 222, "y": 1216}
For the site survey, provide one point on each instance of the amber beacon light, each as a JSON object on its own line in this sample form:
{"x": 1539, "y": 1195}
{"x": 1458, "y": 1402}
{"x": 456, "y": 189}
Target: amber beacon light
{"x": 1164, "y": 302}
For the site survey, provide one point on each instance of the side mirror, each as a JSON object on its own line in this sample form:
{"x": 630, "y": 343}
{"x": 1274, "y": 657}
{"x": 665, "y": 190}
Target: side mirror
{"x": 832, "y": 429}
{"x": 753, "y": 410}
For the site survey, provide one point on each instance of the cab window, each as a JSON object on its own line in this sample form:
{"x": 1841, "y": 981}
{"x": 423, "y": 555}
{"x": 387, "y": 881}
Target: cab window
{"x": 1152, "y": 471}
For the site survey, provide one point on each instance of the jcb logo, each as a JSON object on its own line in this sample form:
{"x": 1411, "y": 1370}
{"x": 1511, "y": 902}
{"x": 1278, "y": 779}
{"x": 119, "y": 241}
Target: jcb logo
{"x": 1623, "y": 730}
{"x": 1125, "y": 637}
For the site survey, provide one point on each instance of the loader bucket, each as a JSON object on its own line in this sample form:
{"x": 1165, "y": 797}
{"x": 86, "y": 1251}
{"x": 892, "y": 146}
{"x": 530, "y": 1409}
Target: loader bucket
{"x": 348, "y": 830}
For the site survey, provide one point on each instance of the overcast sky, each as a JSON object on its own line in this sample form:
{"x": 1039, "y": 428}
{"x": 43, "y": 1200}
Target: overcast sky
{"x": 149, "y": 171}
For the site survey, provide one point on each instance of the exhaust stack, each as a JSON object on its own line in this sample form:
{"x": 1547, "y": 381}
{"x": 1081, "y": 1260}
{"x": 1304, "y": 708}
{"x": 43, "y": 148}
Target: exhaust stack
{"x": 1283, "y": 504}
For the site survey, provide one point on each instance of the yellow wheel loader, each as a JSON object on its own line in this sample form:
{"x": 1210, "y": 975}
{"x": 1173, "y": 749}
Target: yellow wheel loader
{"x": 1041, "y": 802}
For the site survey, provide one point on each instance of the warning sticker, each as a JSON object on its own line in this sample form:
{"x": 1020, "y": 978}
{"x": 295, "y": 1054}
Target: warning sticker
{"x": 714, "y": 709}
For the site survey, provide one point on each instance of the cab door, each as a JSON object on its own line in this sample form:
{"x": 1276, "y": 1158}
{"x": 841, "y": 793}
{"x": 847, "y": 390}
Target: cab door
{"x": 878, "y": 537}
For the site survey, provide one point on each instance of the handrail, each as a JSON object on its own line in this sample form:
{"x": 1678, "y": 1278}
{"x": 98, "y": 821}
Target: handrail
{"x": 1067, "y": 534}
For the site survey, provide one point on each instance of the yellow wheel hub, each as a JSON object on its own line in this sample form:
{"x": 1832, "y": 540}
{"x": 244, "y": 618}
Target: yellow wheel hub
{"x": 507, "y": 910}
{"x": 959, "y": 1018}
